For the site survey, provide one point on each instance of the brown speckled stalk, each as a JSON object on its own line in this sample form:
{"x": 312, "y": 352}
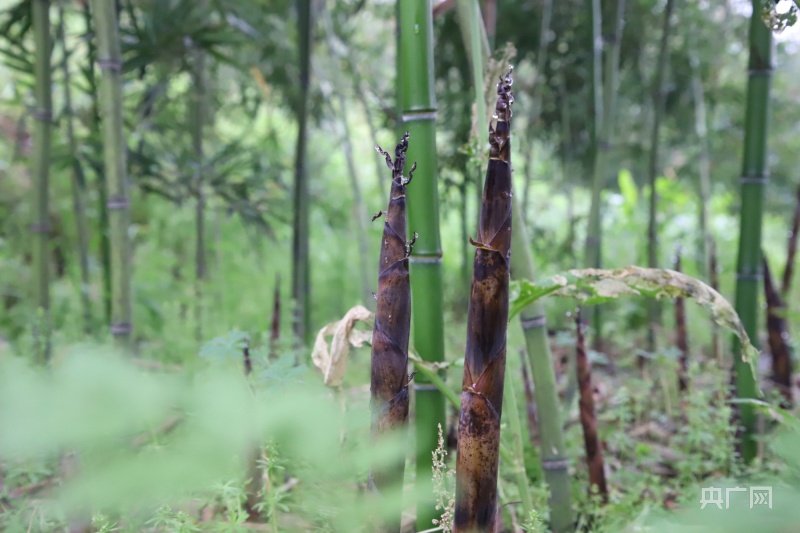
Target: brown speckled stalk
{"x": 389, "y": 384}
{"x": 594, "y": 451}
{"x": 485, "y": 359}
{"x": 778, "y": 335}
{"x": 681, "y": 337}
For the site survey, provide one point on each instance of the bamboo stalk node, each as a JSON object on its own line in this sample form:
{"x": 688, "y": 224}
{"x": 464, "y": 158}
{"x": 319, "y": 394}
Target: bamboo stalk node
{"x": 532, "y": 323}
{"x": 422, "y": 115}
{"x": 117, "y": 202}
{"x": 110, "y": 64}
{"x": 555, "y": 463}
{"x": 121, "y": 328}
{"x": 40, "y": 227}
{"x": 43, "y": 115}
{"x": 755, "y": 179}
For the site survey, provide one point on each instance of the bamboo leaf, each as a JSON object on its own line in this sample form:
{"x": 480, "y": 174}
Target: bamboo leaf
{"x": 594, "y": 286}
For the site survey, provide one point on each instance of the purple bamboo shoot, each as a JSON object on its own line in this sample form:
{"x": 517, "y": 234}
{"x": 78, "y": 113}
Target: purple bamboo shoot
{"x": 485, "y": 359}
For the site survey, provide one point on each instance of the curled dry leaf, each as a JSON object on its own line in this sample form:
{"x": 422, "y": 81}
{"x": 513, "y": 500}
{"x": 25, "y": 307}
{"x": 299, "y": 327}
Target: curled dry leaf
{"x": 593, "y": 286}
{"x": 331, "y": 358}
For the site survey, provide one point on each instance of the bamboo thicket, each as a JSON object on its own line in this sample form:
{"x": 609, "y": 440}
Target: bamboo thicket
{"x": 485, "y": 358}
{"x": 114, "y": 155}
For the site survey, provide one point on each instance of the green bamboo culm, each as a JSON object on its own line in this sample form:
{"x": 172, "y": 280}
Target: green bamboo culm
{"x": 78, "y": 181}
{"x": 301, "y": 276}
{"x": 198, "y": 121}
{"x": 114, "y": 155}
{"x": 659, "y": 99}
{"x": 478, "y": 445}
{"x": 518, "y": 464}
{"x": 97, "y": 165}
{"x": 417, "y": 106}
{"x": 555, "y": 463}
{"x": 593, "y": 245}
{"x": 473, "y": 32}
{"x": 754, "y": 177}
{"x": 389, "y": 369}
{"x": 42, "y": 140}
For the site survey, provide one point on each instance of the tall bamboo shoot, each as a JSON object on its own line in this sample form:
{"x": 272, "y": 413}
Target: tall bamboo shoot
{"x": 389, "y": 383}
{"x": 485, "y": 358}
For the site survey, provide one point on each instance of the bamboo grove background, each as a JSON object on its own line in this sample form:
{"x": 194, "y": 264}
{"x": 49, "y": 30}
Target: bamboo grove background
{"x": 188, "y": 181}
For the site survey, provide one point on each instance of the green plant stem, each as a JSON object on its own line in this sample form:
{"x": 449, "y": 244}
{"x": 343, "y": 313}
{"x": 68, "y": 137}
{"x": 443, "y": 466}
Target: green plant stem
{"x": 42, "y": 140}
{"x": 754, "y": 176}
{"x": 593, "y": 246}
{"x": 114, "y": 151}
{"x": 97, "y": 166}
{"x": 78, "y": 181}
{"x": 518, "y": 464}
{"x": 417, "y": 106}
{"x": 199, "y": 117}
{"x": 659, "y": 98}
{"x": 534, "y": 325}
{"x": 476, "y": 43}
{"x": 301, "y": 277}
{"x": 538, "y": 91}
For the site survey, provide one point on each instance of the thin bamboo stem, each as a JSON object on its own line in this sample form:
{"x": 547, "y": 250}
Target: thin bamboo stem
{"x": 301, "y": 276}
{"x": 659, "y": 98}
{"x": 97, "y": 165}
{"x": 538, "y": 91}
{"x": 42, "y": 140}
{"x": 199, "y": 118}
{"x": 518, "y": 466}
{"x": 78, "y": 180}
{"x": 114, "y": 151}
